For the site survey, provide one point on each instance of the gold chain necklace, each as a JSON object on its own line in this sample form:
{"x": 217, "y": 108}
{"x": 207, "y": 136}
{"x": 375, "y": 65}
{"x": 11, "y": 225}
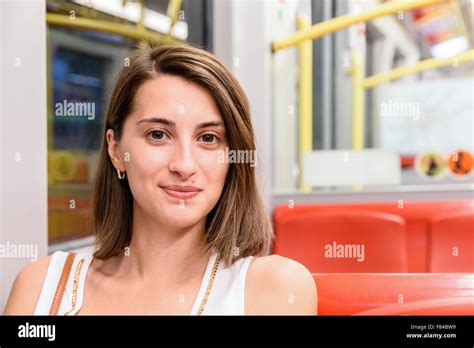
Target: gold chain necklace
{"x": 201, "y": 307}
{"x": 209, "y": 286}
{"x": 75, "y": 284}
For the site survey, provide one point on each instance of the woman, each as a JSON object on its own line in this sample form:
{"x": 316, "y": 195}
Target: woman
{"x": 180, "y": 228}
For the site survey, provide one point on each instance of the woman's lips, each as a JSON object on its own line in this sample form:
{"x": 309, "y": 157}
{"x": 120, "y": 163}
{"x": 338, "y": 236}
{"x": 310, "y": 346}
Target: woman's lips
{"x": 181, "y": 192}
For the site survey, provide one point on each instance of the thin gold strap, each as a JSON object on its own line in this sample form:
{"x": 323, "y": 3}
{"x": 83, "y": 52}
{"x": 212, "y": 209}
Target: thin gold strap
{"x": 209, "y": 286}
{"x": 62, "y": 284}
{"x": 75, "y": 285}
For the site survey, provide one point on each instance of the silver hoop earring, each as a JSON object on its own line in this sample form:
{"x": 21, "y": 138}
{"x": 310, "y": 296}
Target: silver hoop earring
{"x": 121, "y": 175}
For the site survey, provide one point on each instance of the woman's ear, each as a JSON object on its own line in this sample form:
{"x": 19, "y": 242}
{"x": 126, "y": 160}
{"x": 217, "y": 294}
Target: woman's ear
{"x": 113, "y": 150}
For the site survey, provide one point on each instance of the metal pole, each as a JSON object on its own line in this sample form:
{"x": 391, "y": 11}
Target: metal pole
{"x": 322, "y": 79}
{"x": 358, "y": 91}
{"x": 306, "y": 99}
{"x": 108, "y": 27}
{"x": 338, "y": 23}
{"x": 426, "y": 64}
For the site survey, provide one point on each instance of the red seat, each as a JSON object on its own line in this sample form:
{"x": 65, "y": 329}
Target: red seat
{"x": 451, "y": 244}
{"x": 417, "y": 215}
{"x": 444, "y": 306}
{"x": 343, "y": 241}
{"x": 351, "y": 293}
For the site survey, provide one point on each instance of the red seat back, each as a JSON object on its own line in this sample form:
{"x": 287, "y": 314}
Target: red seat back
{"x": 347, "y": 294}
{"x": 452, "y": 243}
{"x": 343, "y": 241}
{"x": 417, "y": 215}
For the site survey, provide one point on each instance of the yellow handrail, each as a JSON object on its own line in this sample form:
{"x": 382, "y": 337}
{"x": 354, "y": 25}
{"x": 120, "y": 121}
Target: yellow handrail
{"x": 174, "y": 6}
{"x": 306, "y": 98}
{"x": 141, "y": 22}
{"x": 306, "y": 33}
{"x": 358, "y": 91}
{"x": 108, "y": 27}
{"x": 338, "y": 23}
{"x": 426, "y": 64}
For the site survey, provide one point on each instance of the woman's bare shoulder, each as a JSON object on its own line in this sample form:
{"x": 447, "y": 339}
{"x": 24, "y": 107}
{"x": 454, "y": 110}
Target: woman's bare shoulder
{"x": 277, "y": 285}
{"x": 26, "y": 288}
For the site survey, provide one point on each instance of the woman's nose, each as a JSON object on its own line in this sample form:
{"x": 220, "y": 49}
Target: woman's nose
{"x": 183, "y": 162}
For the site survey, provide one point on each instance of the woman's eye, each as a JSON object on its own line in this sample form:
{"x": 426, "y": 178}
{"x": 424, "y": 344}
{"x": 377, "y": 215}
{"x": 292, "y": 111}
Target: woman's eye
{"x": 157, "y": 134}
{"x": 209, "y": 138}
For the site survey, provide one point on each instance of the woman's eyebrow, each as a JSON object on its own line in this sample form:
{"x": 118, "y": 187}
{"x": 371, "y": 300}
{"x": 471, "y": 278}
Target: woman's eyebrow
{"x": 210, "y": 124}
{"x": 171, "y": 123}
{"x": 157, "y": 120}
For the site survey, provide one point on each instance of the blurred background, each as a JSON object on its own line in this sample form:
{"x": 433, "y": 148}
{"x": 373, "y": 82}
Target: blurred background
{"x": 372, "y": 110}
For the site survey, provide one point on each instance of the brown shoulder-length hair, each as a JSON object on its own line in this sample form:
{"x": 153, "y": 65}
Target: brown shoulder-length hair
{"x": 238, "y": 225}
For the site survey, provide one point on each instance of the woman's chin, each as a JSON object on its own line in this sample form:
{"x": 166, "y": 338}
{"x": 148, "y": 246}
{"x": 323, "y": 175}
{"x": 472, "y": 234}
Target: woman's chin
{"x": 181, "y": 218}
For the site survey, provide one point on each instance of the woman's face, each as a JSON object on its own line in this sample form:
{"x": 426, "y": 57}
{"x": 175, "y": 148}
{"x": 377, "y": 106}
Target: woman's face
{"x": 170, "y": 149}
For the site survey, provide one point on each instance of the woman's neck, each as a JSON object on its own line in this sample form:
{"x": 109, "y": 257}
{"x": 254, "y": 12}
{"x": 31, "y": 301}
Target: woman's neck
{"x": 162, "y": 252}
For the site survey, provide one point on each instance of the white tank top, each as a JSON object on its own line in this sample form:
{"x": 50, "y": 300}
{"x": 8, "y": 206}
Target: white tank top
{"x": 226, "y": 297}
